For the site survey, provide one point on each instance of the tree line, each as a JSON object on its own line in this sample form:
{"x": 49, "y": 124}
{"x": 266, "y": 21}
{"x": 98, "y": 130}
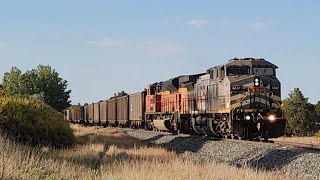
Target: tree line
{"x": 45, "y": 84}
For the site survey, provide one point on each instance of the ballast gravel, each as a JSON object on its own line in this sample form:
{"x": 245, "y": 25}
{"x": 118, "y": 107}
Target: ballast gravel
{"x": 293, "y": 161}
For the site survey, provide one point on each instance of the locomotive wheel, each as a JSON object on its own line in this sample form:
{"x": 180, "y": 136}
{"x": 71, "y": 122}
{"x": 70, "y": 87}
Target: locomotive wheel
{"x": 149, "y": 126}
{"x": 106, "y": 124}
{"x": 232, "y": 136}
{"x": 223, "y": 129}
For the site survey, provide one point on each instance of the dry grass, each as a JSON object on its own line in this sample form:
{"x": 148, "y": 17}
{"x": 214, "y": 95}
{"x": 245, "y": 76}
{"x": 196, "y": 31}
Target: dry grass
{"x": 111, "y": 154}
{"x": 305, "y": 140}
{"x": 317, "y": 134}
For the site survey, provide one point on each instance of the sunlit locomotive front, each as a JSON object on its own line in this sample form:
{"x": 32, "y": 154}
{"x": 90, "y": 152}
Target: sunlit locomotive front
{"x": 241, "y": 99}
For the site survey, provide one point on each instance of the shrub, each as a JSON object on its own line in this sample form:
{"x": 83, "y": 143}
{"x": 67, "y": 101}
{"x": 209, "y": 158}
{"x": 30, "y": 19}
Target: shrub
{"x": 30, "y": 121}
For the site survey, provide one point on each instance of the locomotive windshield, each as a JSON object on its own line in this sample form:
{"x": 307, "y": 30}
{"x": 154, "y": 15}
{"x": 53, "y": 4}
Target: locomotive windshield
{"x": 263, "y": 71}
{"x": 238, "y": 71}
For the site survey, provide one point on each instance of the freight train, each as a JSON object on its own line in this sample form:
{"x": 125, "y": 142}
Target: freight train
{"x": 239, "y": 99}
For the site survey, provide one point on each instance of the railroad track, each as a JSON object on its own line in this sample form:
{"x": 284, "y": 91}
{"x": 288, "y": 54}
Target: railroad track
{"x": 298, "y": 145}
{"x": 284, "y": 144}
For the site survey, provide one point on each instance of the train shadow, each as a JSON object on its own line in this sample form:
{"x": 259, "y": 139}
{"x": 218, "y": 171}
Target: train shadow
{"x": 94, "y": 151}
{"x": 103, "y": 159}
{"x": 152, "y": 140}
{"x": 276, "y": 159}
{"x": 183, "y": 144}
{"x": 120, "y": 140}
{"x": 178, "y": 144}
{"x": 95, "y": 161}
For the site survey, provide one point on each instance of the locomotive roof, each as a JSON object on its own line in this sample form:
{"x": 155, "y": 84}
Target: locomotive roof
{"x": 247, "y": 62}
{"x": 181, "y": 76}
{"x": 175, "y": 83}
{"x": 252, "y": 61}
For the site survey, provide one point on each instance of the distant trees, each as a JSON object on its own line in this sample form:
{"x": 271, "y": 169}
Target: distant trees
{"x": 302, "y": 116}
{"x": 119, "y": 94}
{"x": 317, "y": 108}
{"x": 75, "y": 106}
{"x": 42, "y": 83}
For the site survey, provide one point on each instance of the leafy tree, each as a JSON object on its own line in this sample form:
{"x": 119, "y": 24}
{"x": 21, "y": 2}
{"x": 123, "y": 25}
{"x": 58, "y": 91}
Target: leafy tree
{"x": 300, "y": 114}
{"x": 42, "y": 83}
{"x": 12, "y": 81}
{"x": 30, "y": 80}
{"x": 119, "y": 94}
{"x": 48, "y": 83}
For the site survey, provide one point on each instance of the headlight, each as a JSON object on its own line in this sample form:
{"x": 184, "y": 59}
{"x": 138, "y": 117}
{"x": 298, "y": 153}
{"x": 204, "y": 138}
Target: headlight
{"x": 248, "y": 117}
{"x": 272, "y": 117}
{"x": 256, "y": 82}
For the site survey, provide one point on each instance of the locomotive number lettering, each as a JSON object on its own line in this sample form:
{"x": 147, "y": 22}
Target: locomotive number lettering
{"x": 256, "y": 89}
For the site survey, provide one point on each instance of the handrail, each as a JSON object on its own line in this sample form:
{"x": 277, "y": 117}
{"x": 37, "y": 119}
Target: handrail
{"x": 277, "y": 102}
{"x": 238, "y": 103}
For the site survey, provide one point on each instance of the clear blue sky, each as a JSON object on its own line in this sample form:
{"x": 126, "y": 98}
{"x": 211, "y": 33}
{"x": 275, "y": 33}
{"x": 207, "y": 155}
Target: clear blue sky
{"x": 102, "y": 47}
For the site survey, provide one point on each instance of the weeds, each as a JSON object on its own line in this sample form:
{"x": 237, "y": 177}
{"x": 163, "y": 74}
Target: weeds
{"x": 111, "y": 154}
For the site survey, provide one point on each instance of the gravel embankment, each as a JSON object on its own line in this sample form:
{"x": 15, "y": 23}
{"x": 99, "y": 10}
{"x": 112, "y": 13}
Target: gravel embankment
{"x": 292, "y": 161}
